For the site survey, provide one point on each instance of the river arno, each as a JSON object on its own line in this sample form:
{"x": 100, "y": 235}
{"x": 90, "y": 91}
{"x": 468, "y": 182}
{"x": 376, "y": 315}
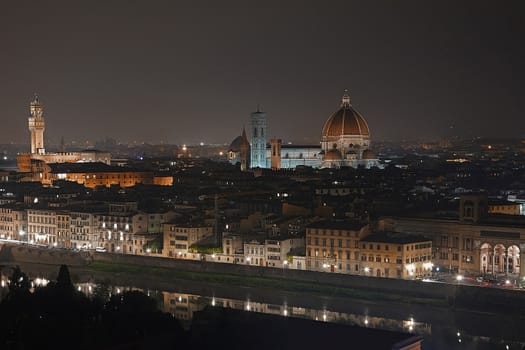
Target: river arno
{"x": 442, "y": 328}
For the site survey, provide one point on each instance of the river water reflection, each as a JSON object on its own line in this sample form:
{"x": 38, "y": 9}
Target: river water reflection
{"x": 441, "y": 328}
{"x": 438, "y": 335}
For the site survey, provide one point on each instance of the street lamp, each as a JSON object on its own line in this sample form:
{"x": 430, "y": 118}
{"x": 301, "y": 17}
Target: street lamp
{"x": 22, "y": 234}
{"x": 449, "y": 260}
{"x": 494, "y": 262}
{"x": 459, "y": 278}
{"x": 506, "y": 266}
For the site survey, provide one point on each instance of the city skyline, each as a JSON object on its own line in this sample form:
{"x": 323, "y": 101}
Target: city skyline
{"x": 181, "y": 73}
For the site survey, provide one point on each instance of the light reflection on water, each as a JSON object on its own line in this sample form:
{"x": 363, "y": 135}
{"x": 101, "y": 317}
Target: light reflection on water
{"x": 183, "y": 305}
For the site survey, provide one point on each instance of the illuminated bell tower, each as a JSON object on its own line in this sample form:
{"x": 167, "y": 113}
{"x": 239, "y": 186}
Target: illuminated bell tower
{"x": 258, "y": 139}
{"x": 37, "y": 126}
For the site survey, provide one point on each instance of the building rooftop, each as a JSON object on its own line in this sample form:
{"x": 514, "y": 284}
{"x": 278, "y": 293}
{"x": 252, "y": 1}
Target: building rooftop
{"x": 337, "y": 225}
{"x": 503, "y": 202}
{"x": 292, "y": 146}
{"x": 90, "y": 167}
{"x": 492, "y": 220}
{"x": 394, "y": 237}
{"x": 177, "y": 223}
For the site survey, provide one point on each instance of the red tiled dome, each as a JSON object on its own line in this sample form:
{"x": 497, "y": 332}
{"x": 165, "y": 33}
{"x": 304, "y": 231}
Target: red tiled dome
{"x": 346, "y": 121}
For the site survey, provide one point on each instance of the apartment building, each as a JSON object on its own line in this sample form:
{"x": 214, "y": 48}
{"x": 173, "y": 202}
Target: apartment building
{"x": 333, "y": 246}
{"x": 396, "y": 255}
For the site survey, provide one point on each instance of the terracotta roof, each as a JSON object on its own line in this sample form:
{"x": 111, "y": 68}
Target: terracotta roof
{"x": 333, "y": 154}
{"x": 394, "y": 237}
{"x": 235, "y": 146}
{"x": 337, "y": 225}
{"x": 237, "y": 142}
{"x": 346, "y": 121}
{"x": 90, "y": 167}
{"x": 368, "y": 154}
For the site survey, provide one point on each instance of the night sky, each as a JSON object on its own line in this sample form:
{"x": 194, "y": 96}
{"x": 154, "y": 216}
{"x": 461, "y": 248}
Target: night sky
{"x": 192, "y": 71}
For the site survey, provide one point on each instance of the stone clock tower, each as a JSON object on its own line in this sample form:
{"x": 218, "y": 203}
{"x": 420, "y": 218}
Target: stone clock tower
{"x": 37, "y": 126}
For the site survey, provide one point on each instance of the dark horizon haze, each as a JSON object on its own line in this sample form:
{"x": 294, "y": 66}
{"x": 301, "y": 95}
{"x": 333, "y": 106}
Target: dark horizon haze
{"x": 192, "y": 71}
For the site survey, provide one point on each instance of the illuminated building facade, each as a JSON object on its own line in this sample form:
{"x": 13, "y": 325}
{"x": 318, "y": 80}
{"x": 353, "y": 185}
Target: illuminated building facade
{"x": 91, "y": 175}
{"x": 477, "y": 248}
{"x": 477, "y": 243}
{"x": 13, "y": 222}
{"x": 83, "y": 230}
{"x": 254, "y": 253}
{"x": 345, "y": 139}
{"x": 271, "y": 252}
{"x": 178, "y": 238}
{"x": 126, "y": 230}
{"x": 42, "y": 226}
{"x": 345, "y": 142}
{"x": 36, "y": 125}
{"x": 258, "y": 140}
{"x": 63, "y": 229}
{"x": 277, "y": 250}
{"x": 506, "y": 208}
{"x": 350, "y": 248}
{"x": 389, "y": 254}
{"x": 333, "y": 246}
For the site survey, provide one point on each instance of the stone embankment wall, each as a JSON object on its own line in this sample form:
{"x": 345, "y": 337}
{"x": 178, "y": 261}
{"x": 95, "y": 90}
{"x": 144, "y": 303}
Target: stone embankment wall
{"x": 404, "y": 287}
{"x": 472, "y": 297}
{"x": 22, "y": 253}
{"x": 463, "y": 296}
